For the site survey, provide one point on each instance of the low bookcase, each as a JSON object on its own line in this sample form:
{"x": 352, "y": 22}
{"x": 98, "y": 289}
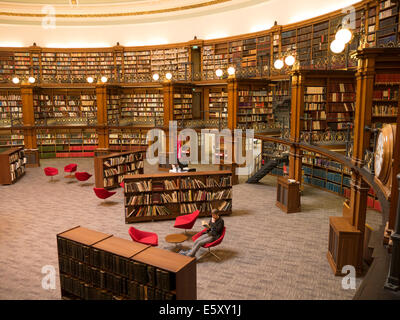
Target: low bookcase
{"x": 12, "y": 165}
{"x": 99, "y": 266}
{"x": 166, "y": 196}
{"x": 110, "y": 169}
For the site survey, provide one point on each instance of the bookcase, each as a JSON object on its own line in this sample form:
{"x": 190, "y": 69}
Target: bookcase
{"x": 388, "y": 18}
{"x": 110, "y": 169}
{"x": 183, "y": 101}
{"x": 10, "y": 106}
{"x": 327, "y": 103}
{"x": 218, "y": 103}
{"x": 124, "y": 139}
{"x": 6, "y": 65}
{"x": 65, "y": 106}
{"x": 174, "y": 60}
{"x": 254, "y": 105}
{"x": 214, "y": 56}
{"x": 12, "y": 165}
{"x": 140, "y": 105}
{"x": 98, "y": 266}
{"x": 166, "y": 196}
{"x": 385, "y": 103}
{"x": 11, "y": 137}
{"x": 71, "y": 67}
{"x": 66, "y": 142}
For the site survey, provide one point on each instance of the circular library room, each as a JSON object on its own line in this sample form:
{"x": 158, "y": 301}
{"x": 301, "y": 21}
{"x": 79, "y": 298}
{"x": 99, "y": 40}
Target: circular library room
{"x": 223, "y": 150}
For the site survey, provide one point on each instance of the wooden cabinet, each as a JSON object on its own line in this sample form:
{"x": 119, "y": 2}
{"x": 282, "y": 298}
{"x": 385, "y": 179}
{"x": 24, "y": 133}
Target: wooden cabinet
{"x": 98, "y": 266}
{"x": 288, "y": 195}
{"x": 12, "y": 165}
{"x": 344, "y": 241}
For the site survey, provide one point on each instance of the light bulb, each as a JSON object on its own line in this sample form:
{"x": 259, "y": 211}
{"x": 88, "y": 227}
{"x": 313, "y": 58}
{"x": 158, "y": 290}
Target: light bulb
{"x": 156, "y": 76}
{"x": 168, "y": 76}
{"x": 15, "y": 80}
{"x": 289, "y": 60}
{"x": 337, "y": 46}
{"x": 219, "y": 72}
{"x": 104, "y": 79}
{"x": 231, "y": 71}
{"x": 89, "y": 79}
{"x": 278, "y": 64}
{"x": 31, "y": 80}
{"x": 344, "y": 35}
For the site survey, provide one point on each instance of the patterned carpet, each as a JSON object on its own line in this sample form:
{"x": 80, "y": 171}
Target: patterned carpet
{"x": 266, "y": 253}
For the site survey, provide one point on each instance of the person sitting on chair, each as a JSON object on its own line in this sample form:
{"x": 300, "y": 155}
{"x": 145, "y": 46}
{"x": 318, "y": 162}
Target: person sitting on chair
{"x": 213, "y": 232}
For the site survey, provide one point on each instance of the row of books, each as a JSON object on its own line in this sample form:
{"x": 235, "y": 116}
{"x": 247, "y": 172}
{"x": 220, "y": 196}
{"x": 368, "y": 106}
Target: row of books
{"x": 147, "y": 211}
{"x": 129, "y": 158}
{"x": 122, "y": 169}
{"x": 384, "y": 110}
{"x": 205, "y": 195}
{"x": 387, "y": 94}
{"x": 387, "y": 78}
{"x": 205, "y": 207}
{"x": 17, "y": 172}
{"x": 16, "y": 156}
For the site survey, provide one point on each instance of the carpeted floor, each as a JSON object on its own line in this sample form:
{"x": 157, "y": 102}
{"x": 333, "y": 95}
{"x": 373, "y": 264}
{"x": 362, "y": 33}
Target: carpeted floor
{"x": 266, "y": 253}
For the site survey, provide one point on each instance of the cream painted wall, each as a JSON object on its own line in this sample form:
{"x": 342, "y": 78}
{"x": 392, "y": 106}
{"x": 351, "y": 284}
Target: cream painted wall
{"x": 230, "y": 23}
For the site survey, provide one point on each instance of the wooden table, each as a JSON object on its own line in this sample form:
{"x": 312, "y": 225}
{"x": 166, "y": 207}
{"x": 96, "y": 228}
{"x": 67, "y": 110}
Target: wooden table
{"x": 176, "y": 238}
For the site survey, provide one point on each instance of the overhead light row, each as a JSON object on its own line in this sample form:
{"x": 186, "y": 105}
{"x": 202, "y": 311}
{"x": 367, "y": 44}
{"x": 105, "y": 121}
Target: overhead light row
{"x": 16, "y": 80}
{"x": 289, "y": 60}
{"x": 103, "y": 79}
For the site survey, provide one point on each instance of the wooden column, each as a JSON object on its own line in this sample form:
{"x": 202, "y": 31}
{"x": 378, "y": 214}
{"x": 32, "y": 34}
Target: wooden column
{"x": 28, "y": 118}
{"x": 168, "y": 94}
{"x": 206, "y": 103}
{"x": 297, "y": 110}
{"x": 102, "y": 128}
{"x": 396, "y": 170}
{"x": 232, "y": 103}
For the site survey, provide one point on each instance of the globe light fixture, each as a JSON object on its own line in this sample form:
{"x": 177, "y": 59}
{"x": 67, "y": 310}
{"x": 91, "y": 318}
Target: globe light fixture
{"x": 31, "y": 80}
{"x": 289, "y": 60}
{"x": 104, "y": 79}
{"x": 344, "y": 35}
{"x": 168, "y": 76}
{"x": 219, "y": 72}
{"x": 90, "y": 79}
{"x": 15, "y": 80}
{"x": 231, "y": 71}
{"x": 337, "y": 46}
{"x": 278, "y": 64}
{"x": 156, "y": 76}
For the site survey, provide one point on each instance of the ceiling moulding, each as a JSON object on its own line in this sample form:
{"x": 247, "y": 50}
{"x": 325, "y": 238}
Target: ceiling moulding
{"x": 122, "y": 13}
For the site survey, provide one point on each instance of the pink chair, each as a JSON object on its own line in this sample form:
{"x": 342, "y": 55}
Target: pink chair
{"x": 70, "y": 169}
{"x": 210, "y": 244}
{"x": 186, "y": 221}
{"x": 82, "y": 176}
{"x": 50, "y": 172}
{"x": 149, "y": 238}
{"x": 103, "y": 193}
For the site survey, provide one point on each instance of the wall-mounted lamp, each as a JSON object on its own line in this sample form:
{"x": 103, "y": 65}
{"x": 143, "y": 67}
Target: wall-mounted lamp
{"x": 231, "y": 71}
{"x": 104, "y": 79}
{"x": 15, "y": 80}
{"x": 156, "y": 76}
{"x": 219, "y": 72}
{"x": 168, "y": 76}
{"x": 342, "y": 37}
{"x": 90, "y": 79}
{"x": 31, "y": 80}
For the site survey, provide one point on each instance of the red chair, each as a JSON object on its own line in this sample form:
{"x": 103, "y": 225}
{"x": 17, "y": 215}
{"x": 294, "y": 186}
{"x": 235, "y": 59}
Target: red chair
{"x": 144, "y": 237}
{"x": 210, "y": 244}
{"x": 50, "y": 172}
{"x": 122, "y": 185}
{"x": 82, "y": 176}
{"x": 103, "y": 193}
{"x": 186, "y": 221}
{"x": 70, "y": 169}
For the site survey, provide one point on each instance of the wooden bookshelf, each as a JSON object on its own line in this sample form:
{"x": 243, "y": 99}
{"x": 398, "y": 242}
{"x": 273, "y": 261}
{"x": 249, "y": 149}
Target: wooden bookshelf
{"x": 11, "y": 137}
{"x": 217, "y": 103}
{"x": 166, "y": 196}
{"x": 110, "y": 169}
{"x": 182, "y": 103}
{"x": 10, "y": 106}
{"x": 12, "y": 165}
{"x": 254, "y": 105}
{"x": 66, "y": 142}
{"x": 99, "y": 266}
{"x": 124, "y": 139}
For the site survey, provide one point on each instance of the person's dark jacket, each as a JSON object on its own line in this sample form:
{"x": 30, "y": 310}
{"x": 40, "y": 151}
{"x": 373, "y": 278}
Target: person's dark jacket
{"x": 216, "y": 228}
